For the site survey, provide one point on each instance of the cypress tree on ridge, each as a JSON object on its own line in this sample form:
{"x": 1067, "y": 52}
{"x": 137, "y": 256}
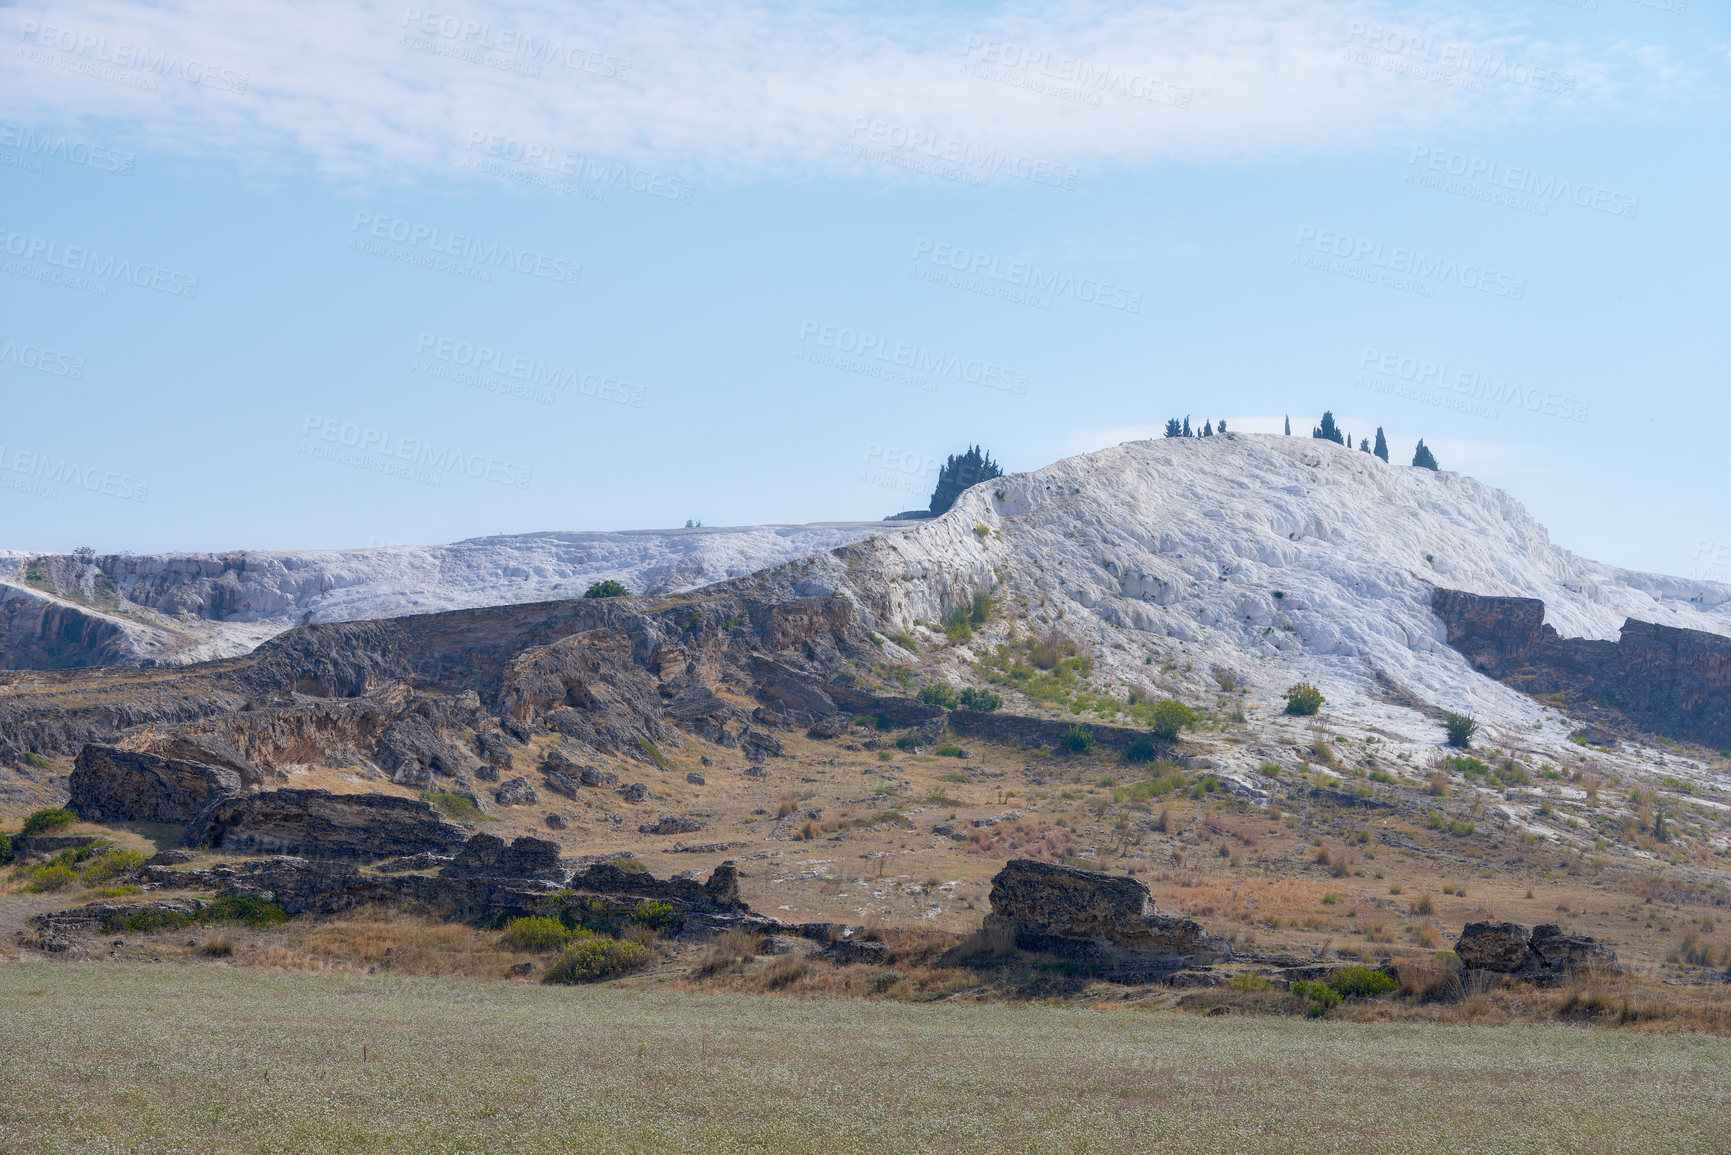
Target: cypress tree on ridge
{"x": 1423, "y": 457}
{"x": 960, "y": 473}
{"x": 1381, "y": 449}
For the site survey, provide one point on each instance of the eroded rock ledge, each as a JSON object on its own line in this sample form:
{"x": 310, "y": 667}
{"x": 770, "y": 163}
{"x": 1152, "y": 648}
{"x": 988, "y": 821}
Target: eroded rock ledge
{"x": 1672, "y": 681}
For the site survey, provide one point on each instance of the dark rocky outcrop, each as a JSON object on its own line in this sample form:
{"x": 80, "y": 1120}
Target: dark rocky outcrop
{"x": 487, "y": 856}
{"x": 719, "y": 894}
{"x": 114, "y": 785}
{"x": 671, "y": 824}
{"x": 516, "y": 792}
{"x": 1671, "y": 681}
{"x": 413, "y": 752}
{"x": 1014, "y": 730}
{"x": 317, "y": 823}
{"x": 1542, "y": 953}
{"x": 1106, "y": 922}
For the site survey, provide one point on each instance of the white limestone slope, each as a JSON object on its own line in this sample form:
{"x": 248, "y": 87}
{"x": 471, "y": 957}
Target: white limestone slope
{"x": 1275, "y": 558}
{"x": 184, "y": 607}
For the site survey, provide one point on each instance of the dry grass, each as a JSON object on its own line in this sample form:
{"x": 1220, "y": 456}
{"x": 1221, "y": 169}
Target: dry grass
{"x": 325, "y": 1062}
{"x": 388, "y": 942}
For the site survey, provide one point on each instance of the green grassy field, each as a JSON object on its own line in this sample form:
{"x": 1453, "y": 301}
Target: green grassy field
{"x": 125, "y": 1057}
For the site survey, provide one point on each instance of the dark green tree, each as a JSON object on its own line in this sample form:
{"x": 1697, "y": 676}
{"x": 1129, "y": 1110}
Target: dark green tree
{"x": 1187, "y": 432}
{"x": 1208, "y": 429}
{"x": 1423, "y": 457}
{"x": 1220, "y": 426}
{"x": 1289, "y": 427}
{"x": 1381, "y": 449}
{"x": 1328, "y": 430}
{"x": 1363, "y": 445}
{"x": 1173, "y": 429}
{"x": 961, "y": 473}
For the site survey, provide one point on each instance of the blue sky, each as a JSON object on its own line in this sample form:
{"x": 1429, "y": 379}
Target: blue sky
{"x": 305, "y": 275}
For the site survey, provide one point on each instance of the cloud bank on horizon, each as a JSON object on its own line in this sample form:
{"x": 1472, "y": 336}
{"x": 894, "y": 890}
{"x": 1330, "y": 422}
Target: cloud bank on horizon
{"x": 382, "y": 92}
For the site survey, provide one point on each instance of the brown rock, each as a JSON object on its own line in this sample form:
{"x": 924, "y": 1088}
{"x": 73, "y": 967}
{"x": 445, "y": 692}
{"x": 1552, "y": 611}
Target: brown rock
{"x": 1545, "y": 953}
{"x": 1103, "y": 920}
{"x": 114, "y": 785}
{"x": 487, "y": 856}
{"x": 317, "y": 823}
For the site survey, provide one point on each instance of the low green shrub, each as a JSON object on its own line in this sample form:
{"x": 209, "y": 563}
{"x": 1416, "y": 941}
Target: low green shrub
{"x": 50, "y": 876}
{"x": 982, "y": 700}
{"x": 938, "y": 694}
{"x": 1077, "y": 740}
{"x": 1321, "y": 997}
{"x": 908, "y": 741}
{"x": 660, "y": 917}
{"x": 948, "y": 751}
{"x": 1168, "y": 717}
{"x": 42, "y": 821}
{"x": 1304, "y": 699}
{"x": 145, "y": 921}
{"x": 111, "y": 863}
{"x": 957, "y": 626}
{"x": 245, "y": 910}
{"x": 536, "y": 933}
{"x": 594, "y": 958}
{"x": 1140, "y": 750}
{"x": 1360, "y": 982}
{"x": 886, "y": 980}
{"x": 1460, "y": 729}
{"x": 5, "y": 850}
{"x": 607, "y": 589}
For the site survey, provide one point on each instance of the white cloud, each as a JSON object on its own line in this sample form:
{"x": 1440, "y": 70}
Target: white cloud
{"x": 734, "y": 92}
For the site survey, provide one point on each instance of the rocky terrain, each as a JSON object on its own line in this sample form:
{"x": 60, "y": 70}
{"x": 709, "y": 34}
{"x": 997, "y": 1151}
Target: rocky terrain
{"x": 59, "y": 611}
{"x": 872, "y": 731}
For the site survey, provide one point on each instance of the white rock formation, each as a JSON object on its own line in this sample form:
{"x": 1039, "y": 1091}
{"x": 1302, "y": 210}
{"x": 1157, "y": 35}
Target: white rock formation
{"x": 1276, "y": 559}
{"x": 185, "y": 607}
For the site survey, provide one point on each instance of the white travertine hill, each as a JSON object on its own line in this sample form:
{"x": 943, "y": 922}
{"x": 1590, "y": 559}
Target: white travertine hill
{"x": 1274, "y": 558}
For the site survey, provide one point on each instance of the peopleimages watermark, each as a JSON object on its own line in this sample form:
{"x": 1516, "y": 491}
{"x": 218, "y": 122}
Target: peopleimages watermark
{"x": 409, "y": 458}
{"x": 41, "y": 358}
{"x": 457, "y": 253}
{"x": 95, "y": 54}
{"x": 511, "y": 50}
{"x": 1065, "y": 77}
{"x": 86, "y": 269}
{"x": 570, "y": 173}
{"x": 902, "y": 362}
{"x": 1712, "y": 561}
{"x": 492, "y": 370}
{"x": 1465, "y": 390}
{"x": 936, "y": 154}
{"x": 1020, "y": 282}
{"x": 1453, "y": 65}
{"x": 31, "y": 147}
{"x": 1409, "y": 270}
{"x": 1510, "y": 186}
{"x": 42, "y": 475}
{"x": 898, "y": 469}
